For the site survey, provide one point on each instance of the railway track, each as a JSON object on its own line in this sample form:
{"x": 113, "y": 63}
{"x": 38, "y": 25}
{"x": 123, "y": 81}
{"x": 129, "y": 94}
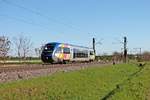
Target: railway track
{"x": 25, "y": 71}
{"x": 28, "y": 67}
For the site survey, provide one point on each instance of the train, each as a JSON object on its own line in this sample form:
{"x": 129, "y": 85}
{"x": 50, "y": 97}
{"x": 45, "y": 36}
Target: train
{"x": 55, "y": 52}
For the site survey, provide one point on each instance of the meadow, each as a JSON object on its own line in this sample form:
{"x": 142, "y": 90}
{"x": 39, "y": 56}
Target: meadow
{"x": 17, "y": 61}
{"x": 117, "y": 82}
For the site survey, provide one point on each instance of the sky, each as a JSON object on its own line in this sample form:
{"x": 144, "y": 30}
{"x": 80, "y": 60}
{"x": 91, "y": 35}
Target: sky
{"x": 78, "y": 21}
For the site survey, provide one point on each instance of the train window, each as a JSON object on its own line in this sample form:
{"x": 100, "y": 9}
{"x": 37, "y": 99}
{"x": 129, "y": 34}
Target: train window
{"x": 80, "y": 53}
{"x": 91, "y": 53}
{"x": 58, "y": 50}
{"x": 67, "y": 50}
{"x": 49, "y": 47}
{"x": 74, "y": 53}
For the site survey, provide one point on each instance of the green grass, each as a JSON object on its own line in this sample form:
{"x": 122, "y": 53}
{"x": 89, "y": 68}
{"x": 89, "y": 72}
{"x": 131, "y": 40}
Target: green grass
{"x": 88, "y": 84}
{"x": 136, "y": 87}
{"x": 21, "y": 62}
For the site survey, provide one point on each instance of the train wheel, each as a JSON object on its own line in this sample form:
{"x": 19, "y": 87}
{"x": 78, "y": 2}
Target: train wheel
{"x": 64, "y": 62}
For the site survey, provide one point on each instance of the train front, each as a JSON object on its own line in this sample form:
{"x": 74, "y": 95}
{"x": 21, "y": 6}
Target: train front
{"x": 48, "y": 52}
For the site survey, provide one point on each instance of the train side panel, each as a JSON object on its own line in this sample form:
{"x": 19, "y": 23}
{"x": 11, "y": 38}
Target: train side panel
{"x": 62, "y": 53}
{"x": 79, "y": 54}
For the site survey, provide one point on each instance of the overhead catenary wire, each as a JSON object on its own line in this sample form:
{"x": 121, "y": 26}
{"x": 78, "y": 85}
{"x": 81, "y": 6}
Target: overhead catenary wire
{"x": 23, "y": 21}
{"x": 40, "y": 14}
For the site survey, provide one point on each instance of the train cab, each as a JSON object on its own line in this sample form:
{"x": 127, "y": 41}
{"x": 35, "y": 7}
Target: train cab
{"x": 47, "y": 52}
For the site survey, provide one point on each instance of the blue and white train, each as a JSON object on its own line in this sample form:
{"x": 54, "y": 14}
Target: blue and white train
{"x": 61, "y": 53}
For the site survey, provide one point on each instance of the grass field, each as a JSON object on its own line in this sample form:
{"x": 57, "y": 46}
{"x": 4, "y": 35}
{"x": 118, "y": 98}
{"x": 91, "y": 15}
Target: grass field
{"x": 21, "y": 62}
{"x": 118, "y": 82}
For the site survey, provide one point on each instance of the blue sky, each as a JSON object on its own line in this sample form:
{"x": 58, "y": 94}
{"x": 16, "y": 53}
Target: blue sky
{"x": 77, "y": 21}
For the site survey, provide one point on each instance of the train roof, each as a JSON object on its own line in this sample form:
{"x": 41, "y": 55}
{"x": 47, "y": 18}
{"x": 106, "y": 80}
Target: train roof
{"x": 57, "y": 43}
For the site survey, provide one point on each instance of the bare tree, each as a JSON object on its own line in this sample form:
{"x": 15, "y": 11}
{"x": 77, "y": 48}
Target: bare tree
{"x": 23, "y": 46}
{"x": 38, "y": 51}
{"x": 146, "y": 56}
{"x": 4, "y": 47}
{"x": 117, "y": 56}
{"x": 26, "y": 46}
{"x": 18, "y": 44}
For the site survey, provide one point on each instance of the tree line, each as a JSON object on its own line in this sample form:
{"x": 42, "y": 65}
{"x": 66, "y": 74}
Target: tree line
{"x": 22, "y": 46}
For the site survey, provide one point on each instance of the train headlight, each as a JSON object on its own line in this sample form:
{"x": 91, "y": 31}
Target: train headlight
{"x": 57, "y": 55}
{"x": 45, "y": 48}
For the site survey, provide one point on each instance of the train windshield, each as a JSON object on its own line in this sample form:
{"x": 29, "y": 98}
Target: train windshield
{"x": 49, "y": 47}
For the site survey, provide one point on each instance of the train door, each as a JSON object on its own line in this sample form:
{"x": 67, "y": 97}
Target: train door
{"x": 66, "y": 53}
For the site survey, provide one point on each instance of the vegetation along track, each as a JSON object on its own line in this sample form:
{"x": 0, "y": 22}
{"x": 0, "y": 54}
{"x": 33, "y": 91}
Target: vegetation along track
{"x": 25, "y": 71}
{"x": 120, "y": 86}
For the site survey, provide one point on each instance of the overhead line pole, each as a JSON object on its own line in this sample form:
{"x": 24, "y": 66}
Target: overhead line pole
{"x": 139, "y": 53}
{"x": 94, "y": 46}
{"x": 125, "y": 49}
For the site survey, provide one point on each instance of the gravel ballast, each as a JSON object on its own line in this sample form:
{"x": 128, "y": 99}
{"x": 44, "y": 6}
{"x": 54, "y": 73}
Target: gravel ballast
{"x": 27, "y": 74}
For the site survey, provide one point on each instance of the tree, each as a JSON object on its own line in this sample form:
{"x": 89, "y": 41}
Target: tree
{"x": 146, "y": 56}
{"x": 4, "y": 47}
{"x": 23, "y": 46}
{"x": 26, "y": 46}
{"x": 38, "y": 51}
{"x": 117, "y": 56}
